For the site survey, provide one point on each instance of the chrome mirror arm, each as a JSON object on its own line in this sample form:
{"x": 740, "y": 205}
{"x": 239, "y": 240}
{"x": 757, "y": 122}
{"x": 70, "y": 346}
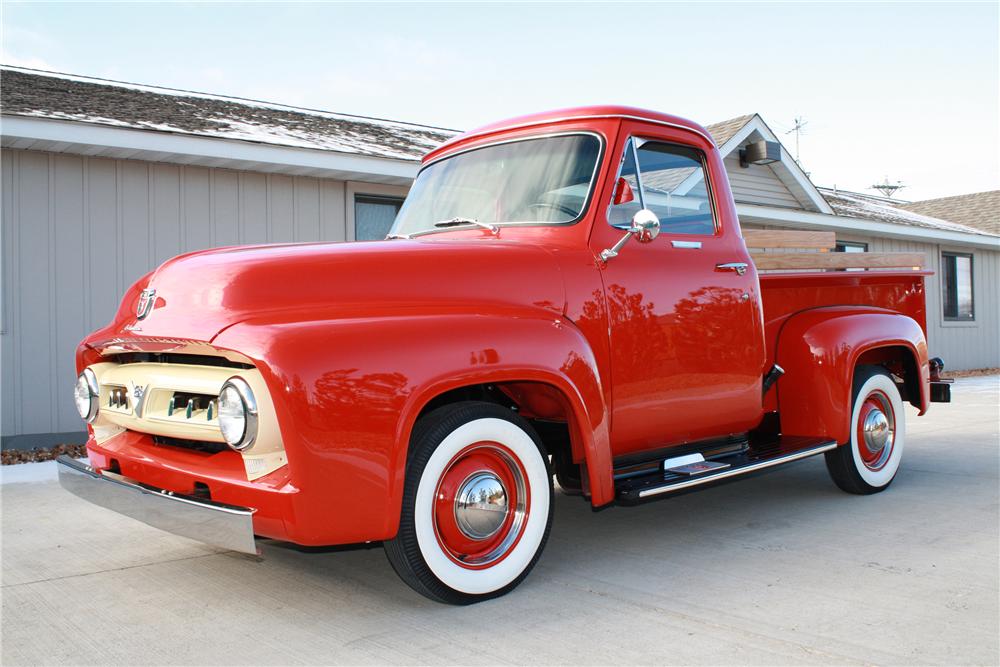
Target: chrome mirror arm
{"x": 612, "y": 252}
{"x": 645, "y": 227}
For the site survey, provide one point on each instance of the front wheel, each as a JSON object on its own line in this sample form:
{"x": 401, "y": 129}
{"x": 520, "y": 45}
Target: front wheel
{"x": 868, "y": 463}
{"x": 477, "y": 504}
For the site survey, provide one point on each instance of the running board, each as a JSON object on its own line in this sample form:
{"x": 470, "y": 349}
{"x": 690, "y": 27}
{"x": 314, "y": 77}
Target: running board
{"x": 786, "y": 449}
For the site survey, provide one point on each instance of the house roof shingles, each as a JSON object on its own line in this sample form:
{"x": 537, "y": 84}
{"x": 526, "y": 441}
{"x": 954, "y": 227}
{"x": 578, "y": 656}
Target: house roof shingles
{"x": 64, "y": 97}
{"x": 978, "y": 209}
{"x": 723, "y": 131}
{"x": 870, "y": 207}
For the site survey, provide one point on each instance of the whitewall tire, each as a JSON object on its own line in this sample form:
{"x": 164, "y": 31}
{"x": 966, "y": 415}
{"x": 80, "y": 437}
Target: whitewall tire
{"x": 477, "y": 504}
{"x": 869, "y": 461}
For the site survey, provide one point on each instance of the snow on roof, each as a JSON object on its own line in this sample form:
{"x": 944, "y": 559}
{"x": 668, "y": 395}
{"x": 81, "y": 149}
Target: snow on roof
{"x": 869, "y": 207}
{"x": 40, "y": 94}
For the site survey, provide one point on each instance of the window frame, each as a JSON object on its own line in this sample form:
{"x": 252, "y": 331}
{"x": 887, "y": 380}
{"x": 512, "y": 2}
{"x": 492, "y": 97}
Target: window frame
{"x": 946, "y": 319}
{"x": 376, "y": 200}
{"x": 354, "y": 189}
{"x": 850, "y": 244}
{"x": 632, "y": 140}
{"x": 591, "y": 185}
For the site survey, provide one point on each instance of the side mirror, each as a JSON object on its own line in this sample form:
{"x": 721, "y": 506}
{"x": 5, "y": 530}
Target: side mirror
{"x": 645, "y": 227}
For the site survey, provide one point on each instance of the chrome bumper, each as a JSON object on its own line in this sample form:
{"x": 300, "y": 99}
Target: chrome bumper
{"x": 220, "y": 525}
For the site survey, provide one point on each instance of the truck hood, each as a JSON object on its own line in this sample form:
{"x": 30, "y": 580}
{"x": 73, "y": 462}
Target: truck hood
{"x": 200, "y": 294}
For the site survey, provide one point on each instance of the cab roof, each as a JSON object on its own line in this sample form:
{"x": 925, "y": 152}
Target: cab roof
{"x": 571, "y": 113}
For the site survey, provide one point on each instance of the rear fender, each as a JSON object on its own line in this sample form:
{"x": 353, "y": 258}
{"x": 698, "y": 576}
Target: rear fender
{"x": 819, "y": 350}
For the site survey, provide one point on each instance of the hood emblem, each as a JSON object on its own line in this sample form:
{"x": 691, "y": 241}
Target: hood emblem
{"x": 146, "y": 300}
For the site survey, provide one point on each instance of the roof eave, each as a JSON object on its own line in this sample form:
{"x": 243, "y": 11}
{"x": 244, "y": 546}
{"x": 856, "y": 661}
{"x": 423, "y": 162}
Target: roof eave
{"x": 81, "y": 138}
{"x": 772, "y": 215}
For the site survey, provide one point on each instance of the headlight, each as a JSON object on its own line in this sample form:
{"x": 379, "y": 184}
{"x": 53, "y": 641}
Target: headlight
{"x": 238, "y": 414}
{"x": 87, "y": 395}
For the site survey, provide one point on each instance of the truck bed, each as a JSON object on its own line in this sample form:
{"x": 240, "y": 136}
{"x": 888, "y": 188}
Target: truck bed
{"x": 785, "y": 294}
{"x": 892, "y": 281}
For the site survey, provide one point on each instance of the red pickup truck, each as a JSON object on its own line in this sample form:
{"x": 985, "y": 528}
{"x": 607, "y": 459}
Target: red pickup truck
{"x": 563, "y": 295}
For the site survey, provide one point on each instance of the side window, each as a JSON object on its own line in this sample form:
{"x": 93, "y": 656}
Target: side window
{"x": 674, "y": 188}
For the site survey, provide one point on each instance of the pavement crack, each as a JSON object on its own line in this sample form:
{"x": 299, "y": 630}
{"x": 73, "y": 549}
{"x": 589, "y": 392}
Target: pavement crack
{"x": 114, "y": 569}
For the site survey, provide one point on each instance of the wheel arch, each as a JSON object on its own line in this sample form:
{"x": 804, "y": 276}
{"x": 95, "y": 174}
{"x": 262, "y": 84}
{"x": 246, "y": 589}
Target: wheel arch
{"x": 820, "y": 350}
{"x": 537, "y": 393}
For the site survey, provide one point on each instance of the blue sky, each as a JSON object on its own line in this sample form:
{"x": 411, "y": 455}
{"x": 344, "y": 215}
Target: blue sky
{"x": 904, "y": 90}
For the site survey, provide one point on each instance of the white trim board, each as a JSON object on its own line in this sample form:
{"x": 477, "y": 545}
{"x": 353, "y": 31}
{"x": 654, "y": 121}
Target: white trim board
{"x": 158, "y": 146}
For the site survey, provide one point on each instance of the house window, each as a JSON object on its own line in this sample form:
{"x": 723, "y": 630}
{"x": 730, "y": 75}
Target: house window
{"x": 956, "y": 283}
{"x": 374, "y": 215}
{"x": 850, "y": 246}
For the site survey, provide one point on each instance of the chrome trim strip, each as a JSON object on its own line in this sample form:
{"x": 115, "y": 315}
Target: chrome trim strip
{"x": 693, "y": 245}
{"x": 217, "y": 524}
{"x": 795, "y": 456}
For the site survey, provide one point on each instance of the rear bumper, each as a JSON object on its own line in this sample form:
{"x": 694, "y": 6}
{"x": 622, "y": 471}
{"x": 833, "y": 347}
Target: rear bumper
{"x": 218, "y": 524}
{"x": 941, "y": 391}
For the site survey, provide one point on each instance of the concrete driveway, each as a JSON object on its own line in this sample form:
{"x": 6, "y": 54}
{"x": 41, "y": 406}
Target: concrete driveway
{"x": 782, "y": 568}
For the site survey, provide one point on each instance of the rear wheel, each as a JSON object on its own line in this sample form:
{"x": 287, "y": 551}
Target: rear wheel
{"x": 868, "y": 463}
{"x": 477, "y": 504}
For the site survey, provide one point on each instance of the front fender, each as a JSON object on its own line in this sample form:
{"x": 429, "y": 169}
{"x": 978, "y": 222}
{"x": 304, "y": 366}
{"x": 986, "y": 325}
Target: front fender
{"x": 349, "y": 391}
{"x": 819, "y": 350}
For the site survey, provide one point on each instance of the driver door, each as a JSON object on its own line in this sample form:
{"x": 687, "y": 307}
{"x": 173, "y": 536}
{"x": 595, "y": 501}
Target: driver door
{"x": 686, "y": 338}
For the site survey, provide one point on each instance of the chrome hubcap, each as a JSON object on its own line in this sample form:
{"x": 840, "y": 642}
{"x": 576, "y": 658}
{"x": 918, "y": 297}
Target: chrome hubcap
{"x": 876, "y": 430}
{"x": 481, "y": 505}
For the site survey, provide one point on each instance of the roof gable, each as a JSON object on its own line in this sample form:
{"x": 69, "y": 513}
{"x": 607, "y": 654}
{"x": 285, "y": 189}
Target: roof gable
{"x": 733, "y": 134}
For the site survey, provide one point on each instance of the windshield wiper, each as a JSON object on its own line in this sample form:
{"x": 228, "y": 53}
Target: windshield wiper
{"x": 454, "y": 222}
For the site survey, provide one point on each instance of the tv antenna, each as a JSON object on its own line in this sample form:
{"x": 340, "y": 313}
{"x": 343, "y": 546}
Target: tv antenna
{"x": 888, "y": 189}
{"x": 798, "y": 129}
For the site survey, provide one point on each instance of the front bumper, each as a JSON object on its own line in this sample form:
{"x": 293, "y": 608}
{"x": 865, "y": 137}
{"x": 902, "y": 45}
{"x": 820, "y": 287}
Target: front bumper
{"x": 218, "y": 524}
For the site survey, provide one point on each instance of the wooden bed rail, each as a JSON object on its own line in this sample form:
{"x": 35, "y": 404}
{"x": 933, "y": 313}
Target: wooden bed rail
{"x": 773, "y": 238}
{"x": 758, "y": 240}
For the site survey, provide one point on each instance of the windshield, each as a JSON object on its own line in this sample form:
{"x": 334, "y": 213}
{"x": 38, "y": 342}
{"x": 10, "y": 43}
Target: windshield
{"x": 544, "y": 180}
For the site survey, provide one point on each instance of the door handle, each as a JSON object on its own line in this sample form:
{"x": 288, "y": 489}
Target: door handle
{"x": 739, "y": 267}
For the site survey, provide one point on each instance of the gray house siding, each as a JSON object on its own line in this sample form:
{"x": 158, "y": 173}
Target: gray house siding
{"x": 758, "y": 184}
{"x": 962, "y": 345}
{"x": 77, "y": 231}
